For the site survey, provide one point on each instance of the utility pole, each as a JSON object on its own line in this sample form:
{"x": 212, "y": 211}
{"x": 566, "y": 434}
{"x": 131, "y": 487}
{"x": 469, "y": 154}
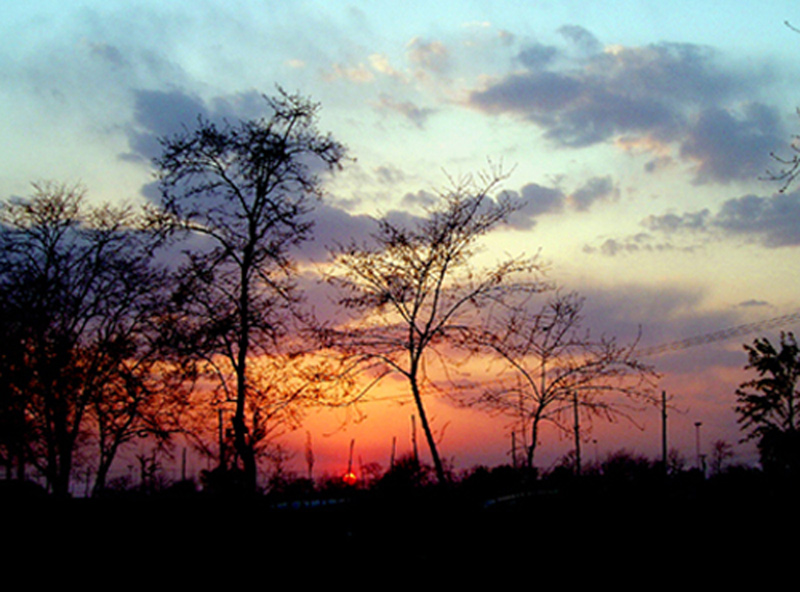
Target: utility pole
{"x": 309, "y": 456}
{"x": 664, "y": 431}
{"x": 350, "y": 458}
{"x": 697, "y": 425}
{"x": 514, "y": 449}
{"x": 577, "y": 433}
{"x": 350, "y": 477}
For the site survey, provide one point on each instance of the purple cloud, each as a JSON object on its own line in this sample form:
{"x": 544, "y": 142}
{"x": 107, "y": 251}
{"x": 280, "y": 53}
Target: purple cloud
{"x": 771, "y": 221}
{"x": 670, "y": 93}
{"x": 728, "y": 146}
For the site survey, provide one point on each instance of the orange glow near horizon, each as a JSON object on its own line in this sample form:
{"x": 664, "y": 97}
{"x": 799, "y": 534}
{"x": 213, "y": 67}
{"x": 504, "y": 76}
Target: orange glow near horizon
{"x": 385, "y": 424}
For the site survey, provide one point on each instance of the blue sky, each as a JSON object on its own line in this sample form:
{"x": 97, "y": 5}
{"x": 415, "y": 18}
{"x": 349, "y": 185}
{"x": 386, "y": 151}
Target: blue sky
{"x": 638, "y": 134}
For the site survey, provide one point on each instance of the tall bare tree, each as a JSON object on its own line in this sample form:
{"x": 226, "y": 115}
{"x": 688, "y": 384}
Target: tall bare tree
{"x": 415, "y": 289}
{"x": 549, "y": 364}
{"x": 243, "y": 191}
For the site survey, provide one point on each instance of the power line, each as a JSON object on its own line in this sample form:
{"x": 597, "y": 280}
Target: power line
{"x": 721, "y": 335}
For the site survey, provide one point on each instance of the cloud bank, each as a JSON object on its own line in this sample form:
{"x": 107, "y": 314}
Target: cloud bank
{"x": 770, "y": 221}
{"x": 669, "y": 94}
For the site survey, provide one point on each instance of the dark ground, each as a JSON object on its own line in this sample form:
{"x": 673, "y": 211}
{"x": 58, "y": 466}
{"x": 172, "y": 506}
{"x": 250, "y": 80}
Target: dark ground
{"x": 574, "y": 532}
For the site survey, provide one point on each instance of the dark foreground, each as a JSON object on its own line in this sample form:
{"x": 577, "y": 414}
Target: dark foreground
{"x": 580, "y": 533}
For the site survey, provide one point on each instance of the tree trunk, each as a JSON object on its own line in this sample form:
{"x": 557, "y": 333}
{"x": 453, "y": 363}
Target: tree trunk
{"x": 245, "y": 452}
{"x": 532, "y": 447}
{"x": 62, "y": 476}
{"x": 534, "y": 438}
{"x": 100, "y": 480}
{"x": 103, "y": 467}
{"x": 423, "y": 418}
{"x": 241, "y": 440}
{"x": 244, "y": 444}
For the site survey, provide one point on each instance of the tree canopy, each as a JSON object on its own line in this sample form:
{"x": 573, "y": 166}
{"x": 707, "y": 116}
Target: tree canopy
{"x": 769, "y": 406}
{"x": 79, "y": 297}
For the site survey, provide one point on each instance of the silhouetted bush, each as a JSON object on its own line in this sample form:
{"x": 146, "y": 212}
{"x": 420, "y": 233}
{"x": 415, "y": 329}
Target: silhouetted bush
{"x": 624, "y": 466}
{"x": 290, "y": 487}
{"x": 16, "y": 490}
{"x": 482, "y": 483}
{"x": 224, "y": 482}
{"x": 406, "y": 474}
{"x": 180, "y": 489}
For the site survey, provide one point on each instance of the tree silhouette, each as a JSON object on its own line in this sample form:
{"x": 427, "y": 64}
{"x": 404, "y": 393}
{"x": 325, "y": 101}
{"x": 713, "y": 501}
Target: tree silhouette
{"x": 243, "y": 191}
{"x": 769, "y": 406}
{"x": 78, "y": 295}
{"x": 550, "y": 364}
{"x": 416, "y": 288}
{"x": 789, "y": 166}
{"x": 721, "y": 453}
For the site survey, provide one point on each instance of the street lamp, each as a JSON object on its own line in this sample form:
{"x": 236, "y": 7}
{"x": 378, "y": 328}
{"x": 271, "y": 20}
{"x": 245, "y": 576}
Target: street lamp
{"x": 697, "y": 425}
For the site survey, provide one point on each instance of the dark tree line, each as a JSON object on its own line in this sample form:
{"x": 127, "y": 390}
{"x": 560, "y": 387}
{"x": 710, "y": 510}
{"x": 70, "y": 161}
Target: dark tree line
{"x": 79, "y": 295}
{"x": 103, "y": 345}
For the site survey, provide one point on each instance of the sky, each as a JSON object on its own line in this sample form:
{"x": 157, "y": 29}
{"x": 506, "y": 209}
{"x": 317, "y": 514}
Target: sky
{"x": 638, "y": 138}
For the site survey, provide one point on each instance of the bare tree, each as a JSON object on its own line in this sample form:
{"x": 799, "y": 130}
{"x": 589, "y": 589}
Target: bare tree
{"x": 721, "y": 453}
{"x": 415, "y": 289}
{"x": 78, "y": 295}
{"x": 548, "y": 364}
{"x": 243, "y": 192}
{"x": 788, "y": 166}
{"x": 143, "y": 398}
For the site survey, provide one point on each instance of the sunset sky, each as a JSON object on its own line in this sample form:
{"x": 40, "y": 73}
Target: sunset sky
{"x": 638, "y": 136}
